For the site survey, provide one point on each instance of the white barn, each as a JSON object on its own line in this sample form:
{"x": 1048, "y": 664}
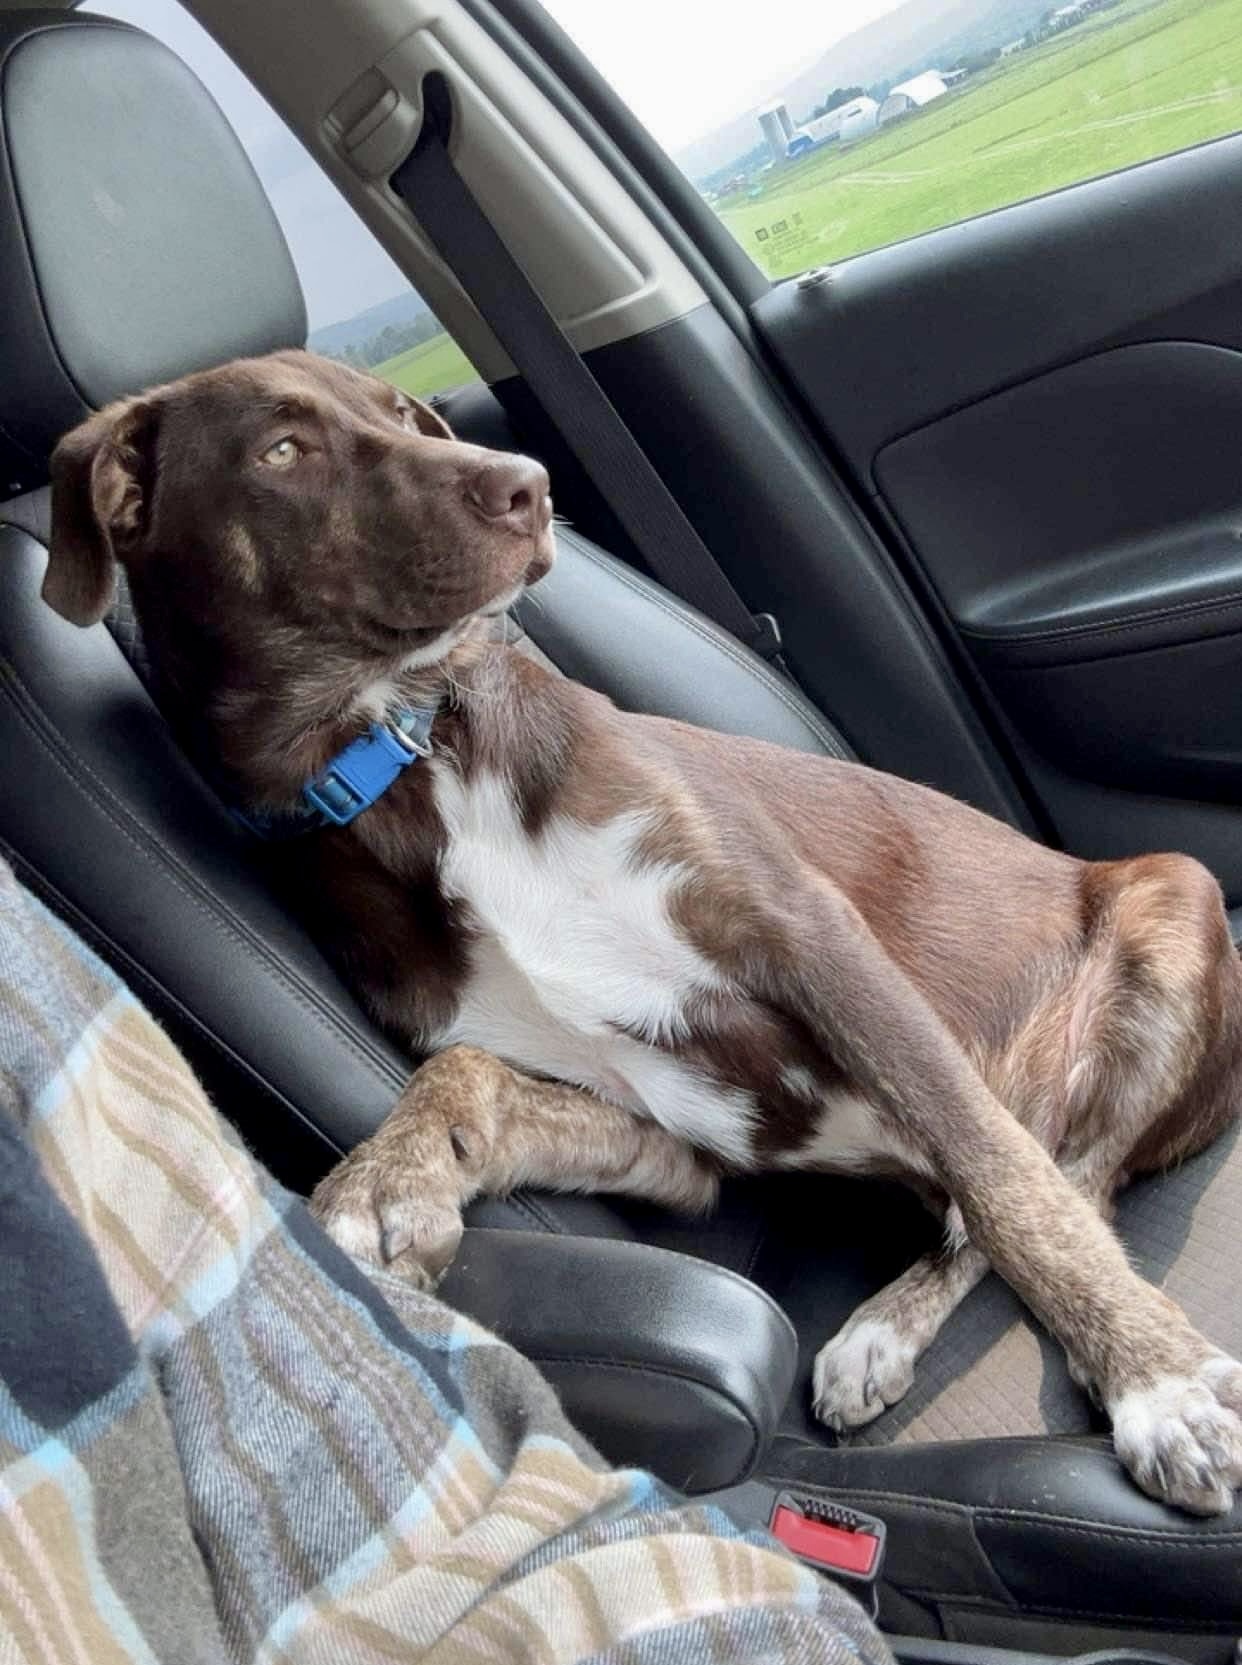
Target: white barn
{"x": 912, "y": 95}
{"x": 847, "y": 121}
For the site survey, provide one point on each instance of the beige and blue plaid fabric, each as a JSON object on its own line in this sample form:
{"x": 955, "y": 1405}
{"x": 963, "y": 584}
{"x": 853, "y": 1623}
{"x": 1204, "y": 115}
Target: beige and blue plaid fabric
{"x": 219, "y": 1440}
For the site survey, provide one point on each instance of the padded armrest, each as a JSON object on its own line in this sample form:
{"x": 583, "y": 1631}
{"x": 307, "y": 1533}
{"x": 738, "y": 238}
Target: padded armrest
{"x": 663, "y": 1361}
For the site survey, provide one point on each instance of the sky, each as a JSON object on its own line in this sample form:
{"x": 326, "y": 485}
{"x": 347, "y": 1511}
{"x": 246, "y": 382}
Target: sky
{"x": 683, "y": 66}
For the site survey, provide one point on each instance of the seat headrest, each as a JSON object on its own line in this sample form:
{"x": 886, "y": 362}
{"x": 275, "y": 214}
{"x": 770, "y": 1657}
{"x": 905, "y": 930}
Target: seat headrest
{"x": 136, "y": 242}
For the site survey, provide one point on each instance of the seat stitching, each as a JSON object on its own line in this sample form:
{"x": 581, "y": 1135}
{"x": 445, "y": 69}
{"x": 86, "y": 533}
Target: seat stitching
{"x": 141, "y": 839}
{"x": 1134, "y": 621}
{"x": 754, "y": 668}
{"x": 761, "y": 1237}
{"x": 528, "y": 1205}
{"x": 1123, "y": 1534}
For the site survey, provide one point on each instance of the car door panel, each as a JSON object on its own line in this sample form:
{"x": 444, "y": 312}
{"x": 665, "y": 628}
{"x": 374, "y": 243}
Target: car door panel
{"x": 1084, "y": 501}
{"x": 1043, "y": 406}
{"x": 1085, "y": 532}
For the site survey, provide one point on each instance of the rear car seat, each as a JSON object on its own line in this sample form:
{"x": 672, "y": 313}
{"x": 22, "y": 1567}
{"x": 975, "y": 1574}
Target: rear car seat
{"x": 135, "y": 244}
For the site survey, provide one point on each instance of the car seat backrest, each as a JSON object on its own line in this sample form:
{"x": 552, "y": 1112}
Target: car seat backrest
{"x": 137, "y": 241}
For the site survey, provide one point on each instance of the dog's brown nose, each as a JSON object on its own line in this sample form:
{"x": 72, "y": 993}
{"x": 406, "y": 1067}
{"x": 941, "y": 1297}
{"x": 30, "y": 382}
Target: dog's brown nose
{"x": 512, "y": 491}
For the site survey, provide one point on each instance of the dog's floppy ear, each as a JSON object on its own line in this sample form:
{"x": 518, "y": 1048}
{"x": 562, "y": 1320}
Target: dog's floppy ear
{"x": 429, "y": 421}
{"x": 101, "y": 481}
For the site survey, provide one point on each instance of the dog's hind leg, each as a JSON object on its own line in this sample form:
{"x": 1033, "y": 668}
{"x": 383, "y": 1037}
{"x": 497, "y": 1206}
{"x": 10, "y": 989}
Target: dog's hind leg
{"x": 1175, "y": 1399}
{"x": 869, "y": 1364}
{"x": 468, "y": 1125}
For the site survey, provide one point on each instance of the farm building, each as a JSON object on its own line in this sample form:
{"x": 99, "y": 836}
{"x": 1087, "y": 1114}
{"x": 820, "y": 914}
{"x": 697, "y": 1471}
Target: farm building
{"x": 912, "y": 95}
{"x": 847, "y": 121}
{"x": 777, "y": 127}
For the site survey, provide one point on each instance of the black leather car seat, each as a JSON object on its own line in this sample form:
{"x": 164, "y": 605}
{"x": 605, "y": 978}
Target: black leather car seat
{"x": 1009, "y": 1518}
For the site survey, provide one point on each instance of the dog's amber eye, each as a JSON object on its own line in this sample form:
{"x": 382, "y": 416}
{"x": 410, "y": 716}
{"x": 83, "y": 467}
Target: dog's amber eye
{"x": 283, "y": 454}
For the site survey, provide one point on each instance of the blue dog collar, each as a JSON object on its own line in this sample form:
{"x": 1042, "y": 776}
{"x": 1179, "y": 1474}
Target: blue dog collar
{"x": 356, "y": 778}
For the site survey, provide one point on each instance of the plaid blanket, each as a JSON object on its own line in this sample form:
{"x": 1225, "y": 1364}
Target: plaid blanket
{"x": 221, "y": 1440}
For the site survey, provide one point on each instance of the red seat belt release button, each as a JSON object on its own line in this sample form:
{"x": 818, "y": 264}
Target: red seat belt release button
{"x": 827, "y": 1546}
{"x": 841, "y": 1542}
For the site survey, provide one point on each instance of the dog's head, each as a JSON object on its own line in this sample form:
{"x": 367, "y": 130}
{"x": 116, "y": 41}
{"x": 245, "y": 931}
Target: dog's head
{"x": 293, "y": 497}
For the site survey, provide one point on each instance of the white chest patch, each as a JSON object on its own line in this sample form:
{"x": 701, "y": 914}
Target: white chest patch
{"x": 576, "y": 942}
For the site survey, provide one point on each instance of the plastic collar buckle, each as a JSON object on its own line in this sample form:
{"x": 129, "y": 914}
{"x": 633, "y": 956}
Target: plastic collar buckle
{"x": 844, "y": 1543}
{"x": 332, "y": 796}
{"x": 355, "y": 779}
{"x": 361, "y": 774}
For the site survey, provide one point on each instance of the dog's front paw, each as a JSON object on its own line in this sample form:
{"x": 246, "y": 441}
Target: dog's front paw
{"x": 1181, "y": 1438}
{"x": 389, "y": 1218}
{"x": 396, "y": 1200}
{"x": 866, "y": 1367}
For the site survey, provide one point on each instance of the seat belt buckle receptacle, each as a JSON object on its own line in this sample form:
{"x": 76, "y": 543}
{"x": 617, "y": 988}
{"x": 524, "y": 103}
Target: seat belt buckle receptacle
{"x": 842, "y": 1542}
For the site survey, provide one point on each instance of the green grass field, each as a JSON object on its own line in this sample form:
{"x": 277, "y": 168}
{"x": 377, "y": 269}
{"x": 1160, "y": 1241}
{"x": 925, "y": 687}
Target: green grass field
{"x": 1139, "y": 81}
{"x": 1129, "y": 84}
{"x": 428, "y": 367}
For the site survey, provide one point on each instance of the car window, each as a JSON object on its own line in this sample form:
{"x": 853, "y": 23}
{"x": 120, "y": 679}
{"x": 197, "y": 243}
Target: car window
{"x": 819, "y": 131}
{"x": 360, "y": 307}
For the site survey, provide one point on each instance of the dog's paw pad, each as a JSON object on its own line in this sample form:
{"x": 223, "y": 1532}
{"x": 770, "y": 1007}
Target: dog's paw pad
{"x": 863, "y": 1370}
{"x": 1181, "y": 1438}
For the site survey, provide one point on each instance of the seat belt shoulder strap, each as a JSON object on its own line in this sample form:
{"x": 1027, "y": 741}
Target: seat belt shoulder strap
{"x": 561, "y": 381}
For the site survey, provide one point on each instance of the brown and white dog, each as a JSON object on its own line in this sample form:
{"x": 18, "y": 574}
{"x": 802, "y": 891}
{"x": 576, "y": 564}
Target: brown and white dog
{"x": 717, "y": 955}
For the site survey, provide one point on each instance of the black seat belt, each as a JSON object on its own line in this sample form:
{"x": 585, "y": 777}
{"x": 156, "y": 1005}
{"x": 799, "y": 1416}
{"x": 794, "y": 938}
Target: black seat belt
{"x": 561, "y": 382}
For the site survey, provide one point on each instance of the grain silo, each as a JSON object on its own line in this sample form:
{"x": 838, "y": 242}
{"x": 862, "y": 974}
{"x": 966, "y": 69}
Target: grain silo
{"x": 777, "y": 127}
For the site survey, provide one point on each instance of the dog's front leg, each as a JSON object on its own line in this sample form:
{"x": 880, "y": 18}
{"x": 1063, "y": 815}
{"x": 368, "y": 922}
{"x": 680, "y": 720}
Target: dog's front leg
{"x": 1175, "y": 1400}
{"x": 468, "y": 1125}
{"x": 869, "y": 1364}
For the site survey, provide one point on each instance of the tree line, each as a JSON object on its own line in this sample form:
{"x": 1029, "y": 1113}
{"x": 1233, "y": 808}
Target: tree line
{"x": 391, "y": 340}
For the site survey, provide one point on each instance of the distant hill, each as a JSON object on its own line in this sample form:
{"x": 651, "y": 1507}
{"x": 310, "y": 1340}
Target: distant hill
{"x": 919, "y": 34}
{"x": 405, "y": 308}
